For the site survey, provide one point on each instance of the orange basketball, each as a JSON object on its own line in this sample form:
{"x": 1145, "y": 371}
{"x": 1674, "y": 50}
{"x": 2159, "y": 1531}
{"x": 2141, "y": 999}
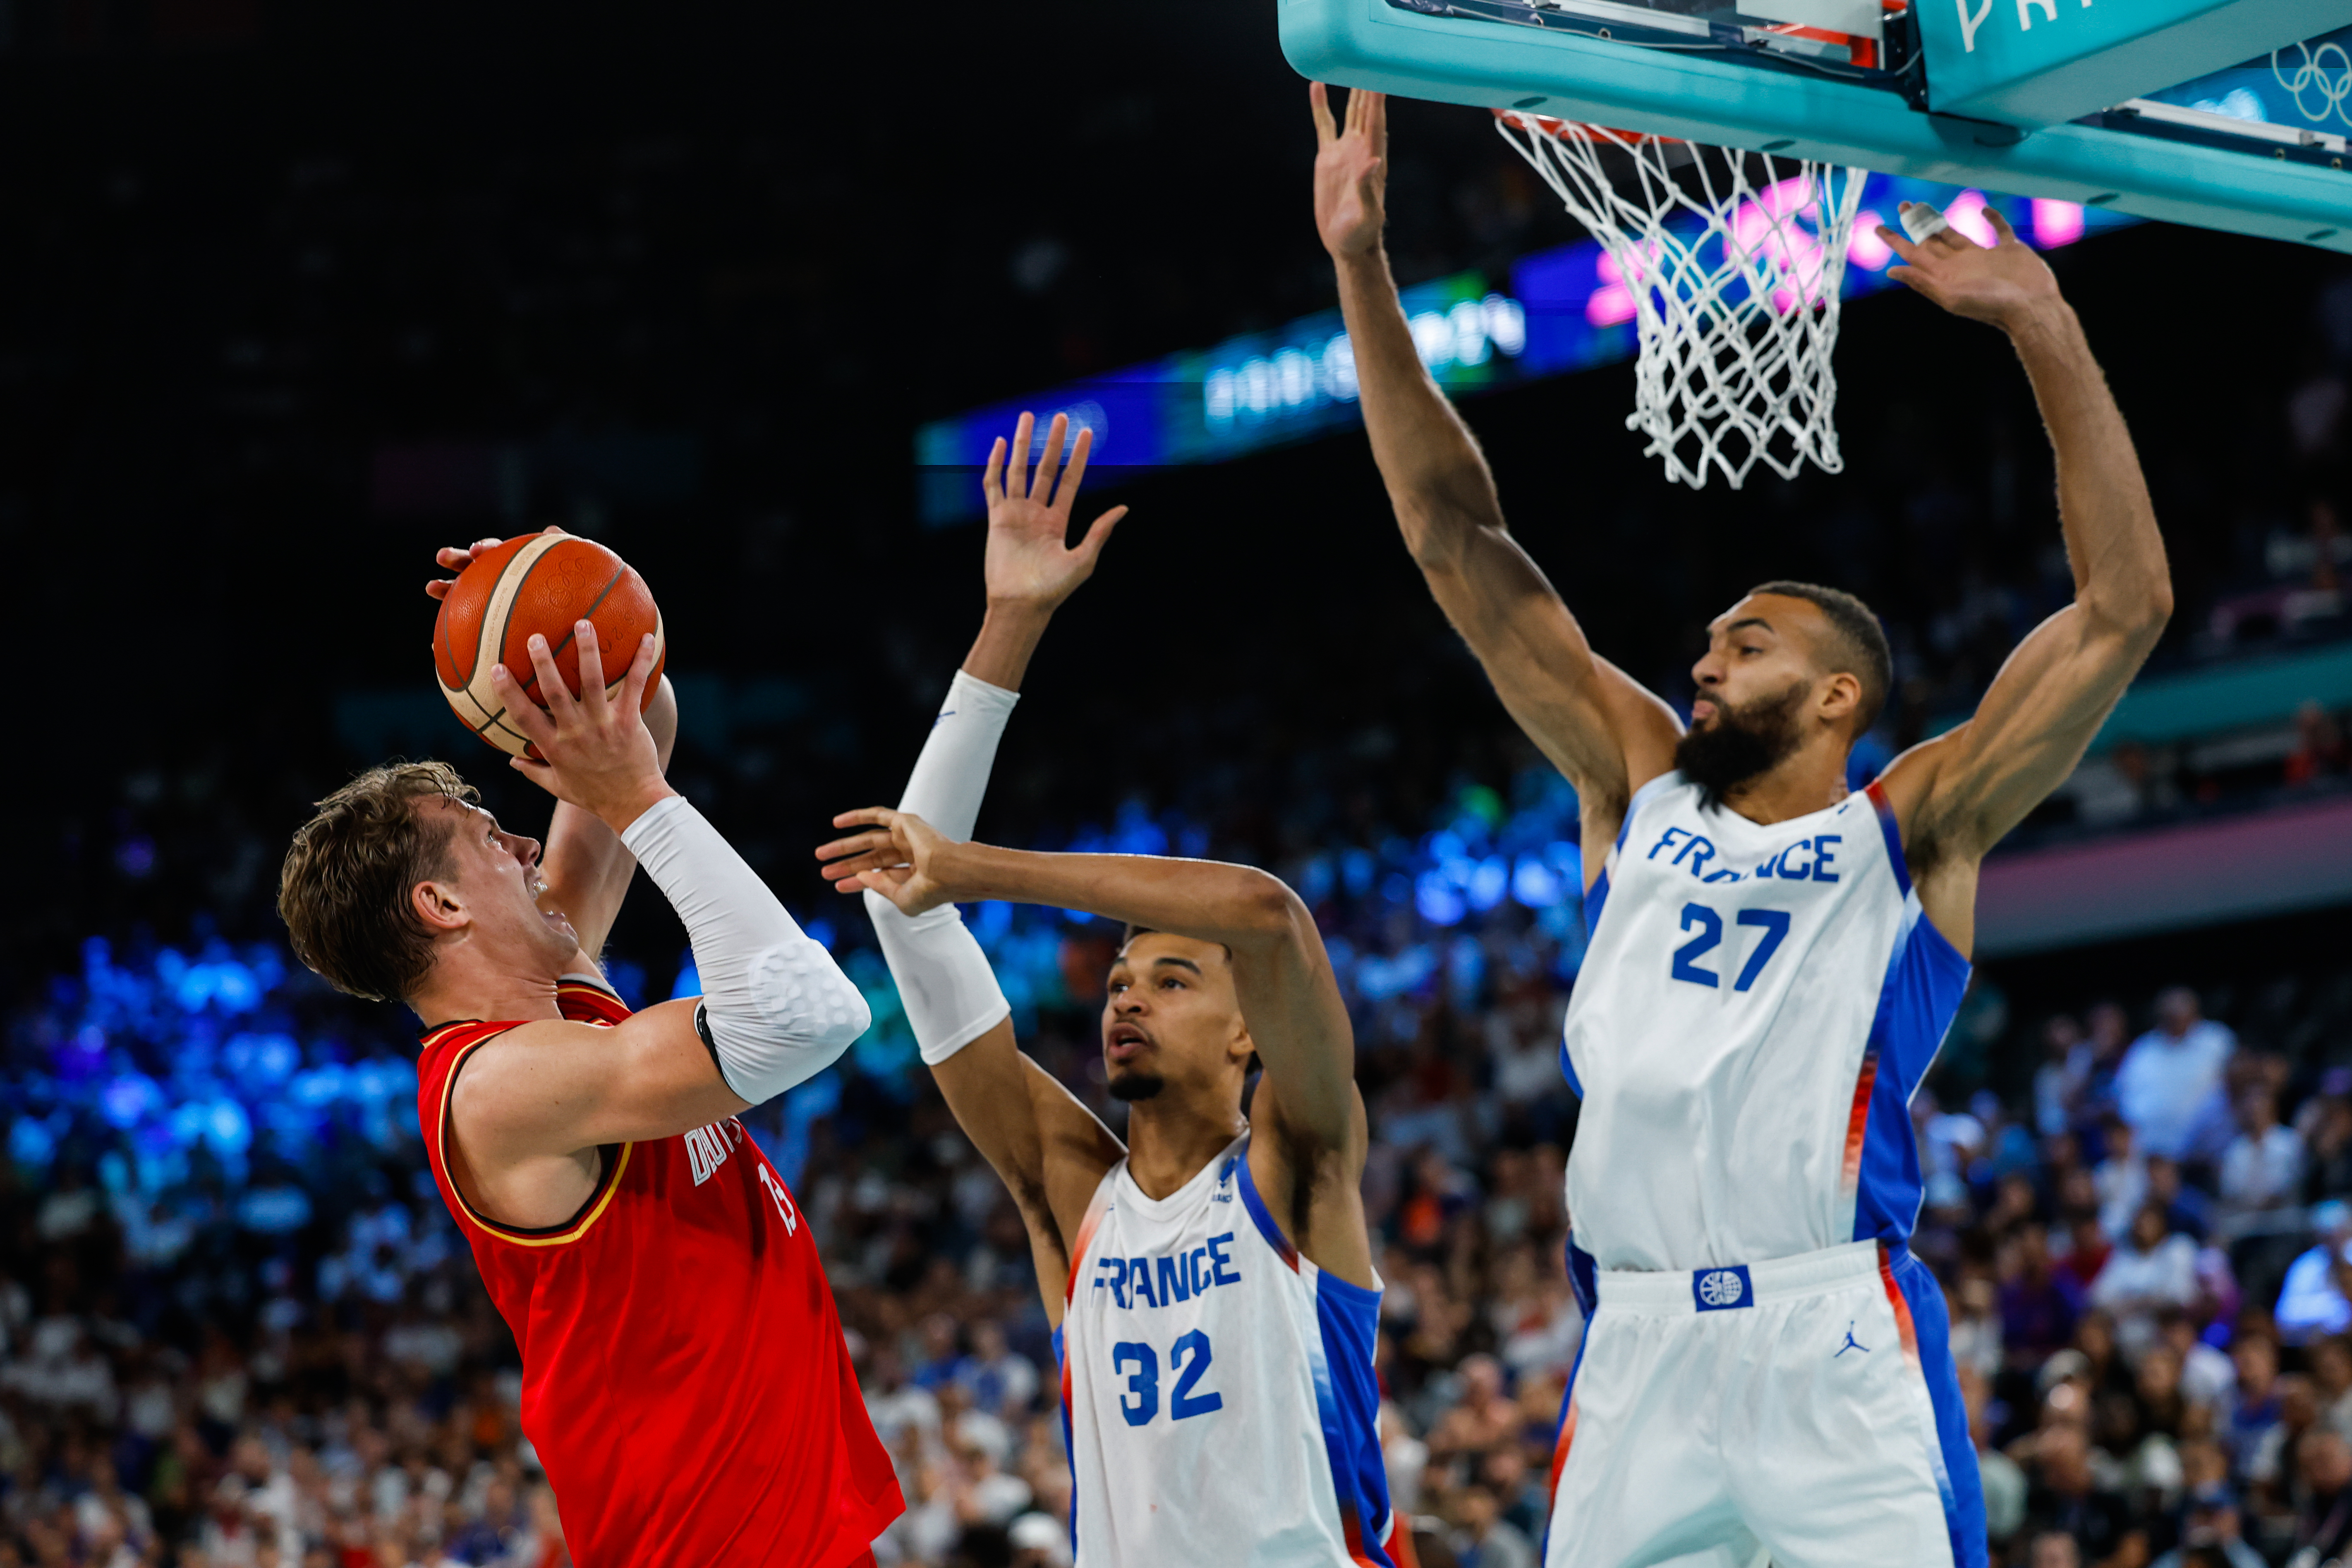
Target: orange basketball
{"x": 542, "y": 582}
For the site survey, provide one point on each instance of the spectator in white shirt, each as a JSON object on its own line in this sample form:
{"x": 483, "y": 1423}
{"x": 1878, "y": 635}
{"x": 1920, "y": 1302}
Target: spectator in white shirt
{"x": 2151, "y": 1271}
{"x": 2262, "y": 1167}
{"x": 2170, "y": 1086}
{"x": 2207, "y": 1376}
{"x": 2120, "y": 1178}
{"x": 2311, "y": 1300}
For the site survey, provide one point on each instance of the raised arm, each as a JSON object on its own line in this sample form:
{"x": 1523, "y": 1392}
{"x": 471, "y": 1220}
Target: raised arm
{"x": 1595, "y": 723}
{"x": 1282, "y": 975}
{"x": 533, "y": 1105}
{"x": 585, "y": 867}
{"x": 1048, "y": 1147}
{"x": 1289, "y": 997}
{"x": 1957, "y": 794}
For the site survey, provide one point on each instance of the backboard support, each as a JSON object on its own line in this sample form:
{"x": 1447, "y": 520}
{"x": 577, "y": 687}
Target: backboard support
{"x": 1705, "y": 73}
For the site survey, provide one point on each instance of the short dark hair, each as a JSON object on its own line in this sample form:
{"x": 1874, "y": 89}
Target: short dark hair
{"x": 1132, "y": 930}
{"x": 1858, "y": 643}
{"x": 344, "y": 893}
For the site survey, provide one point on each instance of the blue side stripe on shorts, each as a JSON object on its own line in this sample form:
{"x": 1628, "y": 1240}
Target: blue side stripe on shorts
{"x": 1962, "y": 1482}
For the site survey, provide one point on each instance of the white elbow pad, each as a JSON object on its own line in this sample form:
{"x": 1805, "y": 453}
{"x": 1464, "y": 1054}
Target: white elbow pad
{"x": 776, "y": 1009}
{"x": 944, "y": 980}
{"x": 797, "y": 1015}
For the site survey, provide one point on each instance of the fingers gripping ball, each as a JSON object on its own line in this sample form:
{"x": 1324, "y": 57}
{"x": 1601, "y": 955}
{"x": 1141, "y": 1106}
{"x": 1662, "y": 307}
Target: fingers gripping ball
{"x": 542, "y": 582}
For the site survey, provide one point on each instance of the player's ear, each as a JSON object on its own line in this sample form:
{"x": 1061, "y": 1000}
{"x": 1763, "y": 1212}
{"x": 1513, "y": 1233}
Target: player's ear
{"x": 436, "y": 904}
{"x": 1840, "y": 696}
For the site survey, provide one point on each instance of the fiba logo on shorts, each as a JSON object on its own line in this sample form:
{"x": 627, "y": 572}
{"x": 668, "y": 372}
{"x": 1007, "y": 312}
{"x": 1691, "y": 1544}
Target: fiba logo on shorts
{"x": 1721, "y": 1289}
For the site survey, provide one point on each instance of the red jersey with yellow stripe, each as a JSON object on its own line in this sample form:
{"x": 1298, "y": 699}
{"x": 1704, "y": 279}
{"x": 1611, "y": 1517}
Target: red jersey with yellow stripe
{"x": 685, "y": 1380}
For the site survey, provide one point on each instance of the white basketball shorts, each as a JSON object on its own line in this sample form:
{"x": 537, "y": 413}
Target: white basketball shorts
{"x": 1806, "y": 1410}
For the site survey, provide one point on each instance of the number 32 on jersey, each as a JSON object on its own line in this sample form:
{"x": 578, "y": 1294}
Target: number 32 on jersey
{"x": 1190, "y": 1355}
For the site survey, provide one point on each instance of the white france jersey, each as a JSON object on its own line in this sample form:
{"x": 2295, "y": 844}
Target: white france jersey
{"x": 1217, "y": 1389}
{"x": 1756, "y": 1007}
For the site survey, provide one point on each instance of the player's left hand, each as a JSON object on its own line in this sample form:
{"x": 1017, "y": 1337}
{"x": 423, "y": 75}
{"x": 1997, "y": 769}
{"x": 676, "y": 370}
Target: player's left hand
{"x": 2005, "y": 284}
{"x": 594, "y": 750}
{"x": 899, "y": 857}
{"x": 458, "y": 557}
{"x": 1031, "y": 563}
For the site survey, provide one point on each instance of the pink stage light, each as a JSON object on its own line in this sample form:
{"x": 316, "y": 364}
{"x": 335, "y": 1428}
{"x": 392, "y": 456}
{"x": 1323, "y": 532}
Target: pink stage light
{"x": 1863, "y": 247}
{"x": 1967, "y": 213}
{"x": 1612, "y": 302}
{"x": 2056, "y": 223}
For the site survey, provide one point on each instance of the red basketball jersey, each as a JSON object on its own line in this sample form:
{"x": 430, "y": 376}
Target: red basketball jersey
{"x": 685, "y": 1380}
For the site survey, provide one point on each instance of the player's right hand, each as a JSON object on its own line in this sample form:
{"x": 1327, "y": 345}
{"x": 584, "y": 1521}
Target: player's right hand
{"x": 598, "y": 754}
{"x": 1351, "y": 172}
{"x": 900, "y": 856}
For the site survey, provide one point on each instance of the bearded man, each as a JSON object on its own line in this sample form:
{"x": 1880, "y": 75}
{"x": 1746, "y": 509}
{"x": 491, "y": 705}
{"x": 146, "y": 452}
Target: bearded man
{"x": 1774, "y": 958}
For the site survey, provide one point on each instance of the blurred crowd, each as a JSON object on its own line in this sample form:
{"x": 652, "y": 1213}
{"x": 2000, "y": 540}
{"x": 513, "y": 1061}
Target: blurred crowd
{"x": 237, "y": 1327}
{"x": 238, "y": 1330}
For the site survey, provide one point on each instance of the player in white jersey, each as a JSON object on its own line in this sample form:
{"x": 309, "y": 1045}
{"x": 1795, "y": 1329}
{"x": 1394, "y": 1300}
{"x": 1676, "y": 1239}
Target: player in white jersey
{"x": 1773, "y": 961}
{"x": 1210, "y": 1282}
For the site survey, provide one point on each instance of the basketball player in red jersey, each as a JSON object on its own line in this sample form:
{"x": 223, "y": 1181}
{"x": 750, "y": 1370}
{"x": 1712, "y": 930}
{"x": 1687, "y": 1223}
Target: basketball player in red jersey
{"x": 685, "y": 1379}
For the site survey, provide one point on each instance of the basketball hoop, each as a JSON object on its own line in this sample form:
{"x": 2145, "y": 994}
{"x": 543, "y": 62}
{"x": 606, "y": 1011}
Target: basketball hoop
{"x": 1734, "y": 292}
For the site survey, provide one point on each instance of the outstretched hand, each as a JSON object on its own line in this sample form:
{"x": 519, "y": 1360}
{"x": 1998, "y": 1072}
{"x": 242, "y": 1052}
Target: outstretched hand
{"x": 897, "y": 857}
{"x": 2005, "y": 283}
{"x": 594, "y": 750}
{"x": 1030, "y": 562}
{"x": 1351, "y": 171}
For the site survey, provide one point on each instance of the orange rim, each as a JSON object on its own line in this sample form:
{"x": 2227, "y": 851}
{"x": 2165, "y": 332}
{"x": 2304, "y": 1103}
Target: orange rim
{"x": 1552, "y": 126}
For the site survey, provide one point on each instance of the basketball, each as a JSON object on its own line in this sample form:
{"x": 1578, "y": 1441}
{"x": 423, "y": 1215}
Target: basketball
{"x": 542, "y": 582}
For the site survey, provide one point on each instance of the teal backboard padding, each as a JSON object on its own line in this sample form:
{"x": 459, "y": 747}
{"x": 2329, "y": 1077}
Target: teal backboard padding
{"x": 2038, "y": 62}
{"x": 1724, "y": 99}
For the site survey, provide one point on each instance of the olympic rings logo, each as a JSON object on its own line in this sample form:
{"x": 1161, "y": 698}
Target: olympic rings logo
{"x": 2332, "y": 82}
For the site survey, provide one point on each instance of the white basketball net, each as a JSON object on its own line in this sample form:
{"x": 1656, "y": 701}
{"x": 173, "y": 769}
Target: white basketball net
{"x": 1733, "y": 290}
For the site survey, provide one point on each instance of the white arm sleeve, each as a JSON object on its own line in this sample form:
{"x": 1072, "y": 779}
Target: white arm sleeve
{"x": 776, "y": 1010}
{"x": 951, "y": 774}
{"x": 944, "y": 980}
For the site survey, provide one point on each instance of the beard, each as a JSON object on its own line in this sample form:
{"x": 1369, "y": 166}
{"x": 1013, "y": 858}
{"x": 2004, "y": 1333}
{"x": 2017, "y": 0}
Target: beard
{"x": 1740, "y": 743}
{"x": 1131, "y": 1087}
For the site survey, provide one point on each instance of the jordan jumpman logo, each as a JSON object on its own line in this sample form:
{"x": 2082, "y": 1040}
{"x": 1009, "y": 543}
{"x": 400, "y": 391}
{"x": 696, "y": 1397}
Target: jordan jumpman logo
{"x": 1850, "y": 1343}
